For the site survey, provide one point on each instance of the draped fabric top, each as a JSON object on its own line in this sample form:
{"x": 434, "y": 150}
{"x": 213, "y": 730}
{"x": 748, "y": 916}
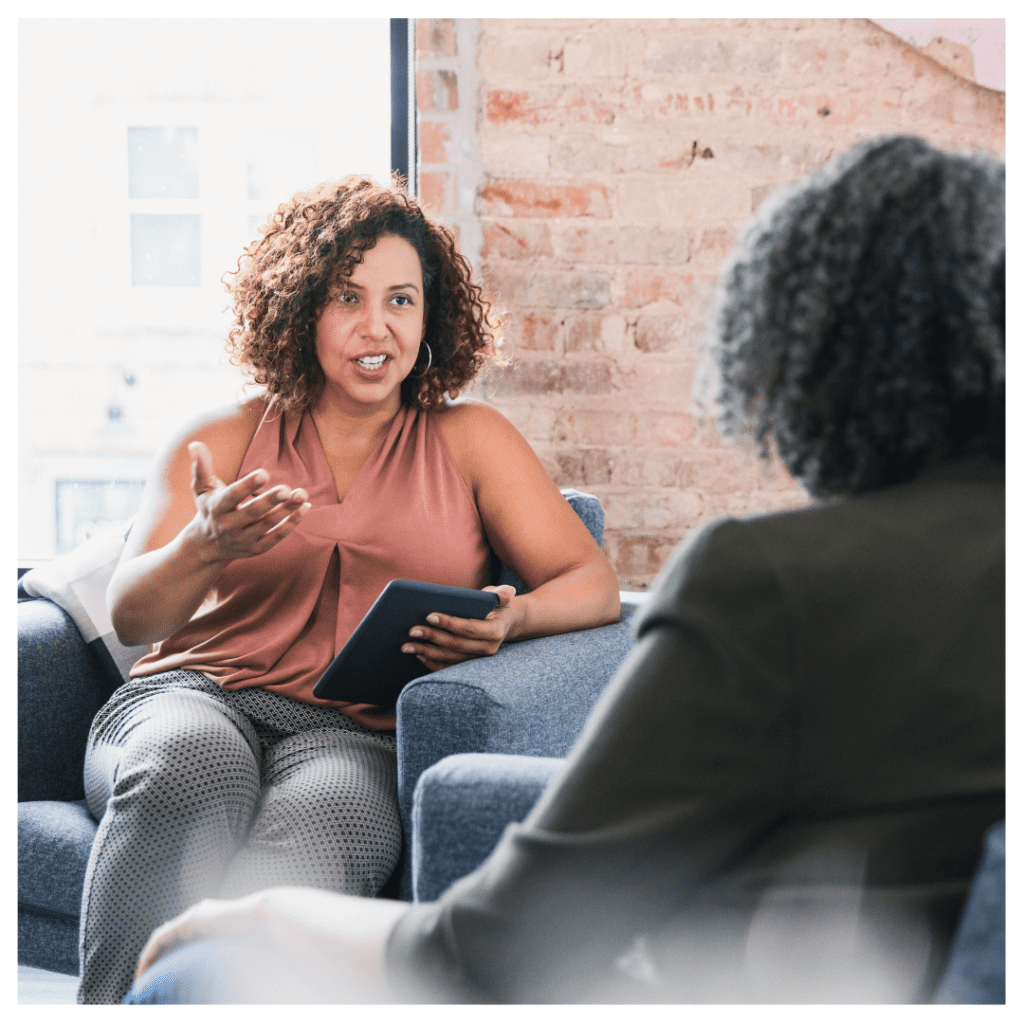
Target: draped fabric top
{"x": 278, "y": 619}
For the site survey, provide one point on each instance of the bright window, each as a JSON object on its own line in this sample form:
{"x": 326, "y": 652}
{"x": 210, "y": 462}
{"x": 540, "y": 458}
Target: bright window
{"x": 150, "y": 152}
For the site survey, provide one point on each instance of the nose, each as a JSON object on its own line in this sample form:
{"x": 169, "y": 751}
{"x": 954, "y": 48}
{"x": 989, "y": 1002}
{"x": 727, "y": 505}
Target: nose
{"x": 375, "y": 324}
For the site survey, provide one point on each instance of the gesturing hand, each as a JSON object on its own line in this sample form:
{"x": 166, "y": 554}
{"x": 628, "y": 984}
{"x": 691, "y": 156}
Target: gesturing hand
{"x": 449, "y": 639}
{"x": 236, "y": 520}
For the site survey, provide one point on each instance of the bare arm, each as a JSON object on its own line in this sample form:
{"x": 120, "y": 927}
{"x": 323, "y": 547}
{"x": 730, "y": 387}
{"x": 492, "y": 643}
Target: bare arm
{"x": 192, "y": 524}
{"x": 531, "y": 528}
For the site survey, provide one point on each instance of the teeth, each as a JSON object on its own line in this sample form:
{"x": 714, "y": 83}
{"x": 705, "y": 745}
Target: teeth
{"x": 371, "y": 362}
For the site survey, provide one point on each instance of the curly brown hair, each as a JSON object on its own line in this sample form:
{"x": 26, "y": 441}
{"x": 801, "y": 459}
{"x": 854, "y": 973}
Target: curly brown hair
{"x": 862, "y": 320}
{"x": 308, "y": 247}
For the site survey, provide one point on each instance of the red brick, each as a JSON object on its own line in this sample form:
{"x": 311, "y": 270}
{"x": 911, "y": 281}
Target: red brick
{"x": 533, "y": 199}
{"x": 664, "y": 382}
{"x": 540, "y": 424}
{"x": 434, "y": 140}
{"x": 652, "y": 467}
{"x": 515, "y": 241}
{"x": 714, "y": 245}
{"x": 662, "y": 334}
{"x": 584, "y": 467}
{"x": 535, "y": 331}
{"x": 642, "y": 286}
{"x": 550, "y": 289}
{"x": 650, "y": 509}
{"x": 638, "y": 557}
{"x": 584, "y": 154}
{"x": 575, "y": 105}
{"x": 437, "y": 192}
{"x": 601, "y": 427}
{"x": 595, "y": 332}
{"x": 435, "y": 37}
{"x": 649, "y": 285}
{"x": 549, "y": 377}
{"x": 437, "y": 90}
{"x": 711, "y": 56}
{"x": 668, "y": 429}
{"x": 624, "y": 243}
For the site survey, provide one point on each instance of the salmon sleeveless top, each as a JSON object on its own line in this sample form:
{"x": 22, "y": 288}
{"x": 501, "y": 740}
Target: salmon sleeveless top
{"x": 278, "y": 619}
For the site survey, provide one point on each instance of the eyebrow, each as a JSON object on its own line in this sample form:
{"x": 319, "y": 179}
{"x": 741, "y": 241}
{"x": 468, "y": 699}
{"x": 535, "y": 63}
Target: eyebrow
{"x": 393, "y": 288}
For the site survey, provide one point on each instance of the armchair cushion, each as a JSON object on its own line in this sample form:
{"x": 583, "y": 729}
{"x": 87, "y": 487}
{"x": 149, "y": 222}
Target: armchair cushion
{"x": 461, "y": 807}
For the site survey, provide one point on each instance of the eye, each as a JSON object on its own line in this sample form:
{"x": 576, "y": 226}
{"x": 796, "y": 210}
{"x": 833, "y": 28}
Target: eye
{"x": 348, "y": 298}
{"x": 402, "y": 300}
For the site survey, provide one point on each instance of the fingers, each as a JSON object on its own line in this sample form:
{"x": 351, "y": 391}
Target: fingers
{"x": 203, "y": 477}
{"x": 166, "y": 938}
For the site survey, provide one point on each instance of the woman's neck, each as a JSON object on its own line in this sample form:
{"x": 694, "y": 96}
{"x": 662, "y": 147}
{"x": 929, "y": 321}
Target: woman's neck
{"x": 357, "y": 429}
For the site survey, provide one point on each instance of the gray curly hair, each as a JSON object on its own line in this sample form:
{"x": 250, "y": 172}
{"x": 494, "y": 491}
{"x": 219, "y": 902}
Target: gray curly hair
{"x": 860, "y": 323}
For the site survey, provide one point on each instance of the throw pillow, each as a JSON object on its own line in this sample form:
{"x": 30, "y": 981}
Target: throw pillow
{"x": 77, "y": 582}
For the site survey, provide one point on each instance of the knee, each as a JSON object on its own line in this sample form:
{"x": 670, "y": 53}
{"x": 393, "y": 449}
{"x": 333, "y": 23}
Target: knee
{"x": 196, "y": 759}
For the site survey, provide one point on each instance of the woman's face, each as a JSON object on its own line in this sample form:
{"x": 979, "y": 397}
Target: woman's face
{"x": 368, "y": 335}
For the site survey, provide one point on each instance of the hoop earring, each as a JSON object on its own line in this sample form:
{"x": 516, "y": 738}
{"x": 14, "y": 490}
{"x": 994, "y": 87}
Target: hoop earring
{"x": 430, "y": 360}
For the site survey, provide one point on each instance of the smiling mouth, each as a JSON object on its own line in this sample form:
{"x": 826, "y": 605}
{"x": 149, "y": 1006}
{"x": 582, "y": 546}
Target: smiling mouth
{"x": 372, "y": 362}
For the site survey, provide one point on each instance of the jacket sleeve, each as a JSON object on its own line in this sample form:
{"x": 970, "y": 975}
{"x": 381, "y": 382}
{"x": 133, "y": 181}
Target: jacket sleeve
{"x": 682, "y": 765}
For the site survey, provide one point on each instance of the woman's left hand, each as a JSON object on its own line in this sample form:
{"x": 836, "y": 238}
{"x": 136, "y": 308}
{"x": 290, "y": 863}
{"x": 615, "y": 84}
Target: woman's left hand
{"x": 448, "y": 639}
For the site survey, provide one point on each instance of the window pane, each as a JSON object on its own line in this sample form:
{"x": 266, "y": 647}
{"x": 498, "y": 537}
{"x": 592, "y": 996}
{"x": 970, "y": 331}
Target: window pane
{"x": 162, "y": 163}
{"x": 280, "y": 162}
{"x": 85, "y": 507}
{"x": 165, "y": 250}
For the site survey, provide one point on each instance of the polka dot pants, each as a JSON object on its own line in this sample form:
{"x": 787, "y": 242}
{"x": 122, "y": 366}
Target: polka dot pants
{"x": 208, "y": 792}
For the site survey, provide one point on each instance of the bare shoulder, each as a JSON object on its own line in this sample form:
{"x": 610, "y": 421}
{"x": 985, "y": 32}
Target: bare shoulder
{"x": 488, "y": 449}
{"x": 470, "y": 425}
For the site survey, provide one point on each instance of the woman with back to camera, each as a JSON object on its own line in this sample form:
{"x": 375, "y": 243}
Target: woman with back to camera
{"x": 781, "y": 796}
{"x": 265, "y": 533}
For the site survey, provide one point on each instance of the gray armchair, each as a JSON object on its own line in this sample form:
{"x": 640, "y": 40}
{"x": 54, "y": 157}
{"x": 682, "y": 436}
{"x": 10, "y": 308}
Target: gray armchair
{"x": 530, "y": 699}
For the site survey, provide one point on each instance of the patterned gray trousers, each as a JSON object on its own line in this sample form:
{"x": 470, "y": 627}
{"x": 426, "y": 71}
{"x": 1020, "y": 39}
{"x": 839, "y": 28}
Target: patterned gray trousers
{"x": 207, "y": 792}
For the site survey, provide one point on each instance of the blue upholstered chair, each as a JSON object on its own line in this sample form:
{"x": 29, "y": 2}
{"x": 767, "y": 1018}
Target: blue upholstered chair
{"x": 530, "y": 699}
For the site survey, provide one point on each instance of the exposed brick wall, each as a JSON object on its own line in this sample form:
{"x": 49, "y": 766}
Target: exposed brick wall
{"x": 598, "y": 172}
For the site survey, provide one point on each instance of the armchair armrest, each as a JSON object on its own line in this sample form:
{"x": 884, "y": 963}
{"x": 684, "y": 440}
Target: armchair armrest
{"x": 532, "y": 698}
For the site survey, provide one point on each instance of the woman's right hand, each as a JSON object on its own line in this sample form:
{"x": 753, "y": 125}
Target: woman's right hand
{"x": 236, "y": 520}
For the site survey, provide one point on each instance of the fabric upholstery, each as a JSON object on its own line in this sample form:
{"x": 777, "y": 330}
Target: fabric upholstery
{"x": 531, "y": 698}
{"x": 54, "y": 840}
{"x": 977, "y": 961}
{"x": 61, "y": 686}
{"x": 461, "y": 807}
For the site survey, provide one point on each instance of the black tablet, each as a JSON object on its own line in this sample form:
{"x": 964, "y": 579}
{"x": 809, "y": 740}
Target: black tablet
{"x": 371, "y": 668}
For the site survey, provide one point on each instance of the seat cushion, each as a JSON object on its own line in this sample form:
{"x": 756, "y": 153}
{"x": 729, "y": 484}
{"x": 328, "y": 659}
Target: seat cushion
{"x": 54, "y": 840}
{"x": 462, "y": 806}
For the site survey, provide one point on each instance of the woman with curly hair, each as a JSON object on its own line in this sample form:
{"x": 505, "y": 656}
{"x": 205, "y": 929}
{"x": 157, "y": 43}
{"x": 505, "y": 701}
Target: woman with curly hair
{"x": 266, "y": 532}
{"x": 782, "y": 795}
